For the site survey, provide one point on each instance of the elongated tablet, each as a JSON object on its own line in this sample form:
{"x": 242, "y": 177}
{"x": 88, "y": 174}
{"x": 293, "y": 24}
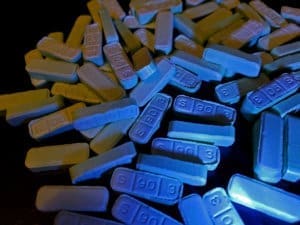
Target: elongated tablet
{"x": 200, "y": 10}
{"x": 114, "y": 9}
{"x": 109, "y": 30}
{"x": 54, "y": 123}
{"x": 213, "y": 134}
{"x": 94, "y": 167}
{"x": 143, "y": 63}
{"x": 286, "y": 49}
{"x": 290, "y": 104}
{"x": 193, "y": 210}
{"x": 101, "y": 114}
{"x": 146, "y": 89}
{"x": 208, "y": 155}
{"x": 187, "y": 172}
{"x": 52, "y": 70}
{"x": 275, "y": 202}
{"x": 132, "y": 23}
{"x": 121, "y": 65}
{"x": 146, "y": 38}
{"x": 290, "y": 13}
{"x": 91, "y": 133}
{"x": 153, "y": 187}
{"x": 164, "y": 32}
{"x": 55, "y": 157}
{"x": 268, "y": 147}
{"x": 105, "y": 88}
{"x": 220, "y": 208}
{"x": 76, "y": 34}
{"x": 150, "y": 119}
{"x": 93, "y": 6}
{"x": 54, "y": 48}
{"x": 71, "y": 218}
{"x": 183, "y": 43}
{"x": 290, "y": 62}
{"x": 51, "y": 198}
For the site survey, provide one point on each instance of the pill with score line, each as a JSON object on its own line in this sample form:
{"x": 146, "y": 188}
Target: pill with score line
{"x": 153, "y": 187}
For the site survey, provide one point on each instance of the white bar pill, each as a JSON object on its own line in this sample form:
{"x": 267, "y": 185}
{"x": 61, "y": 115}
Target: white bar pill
{"x": 96, "y": 166}
{"x": 114, "y": 9}
{"x": 75, "y": 37}
{"x": 164, "y": 32}
{"x": 102, "y": 85}
{"x": 146, "y": 38}
{"x": 92, "y": 44}
{"x": 54, "y": 48}
{"x": 110, "y": 135}
{"x": 143, "y": 63}
{"x": 146, "y": 89}
{"x": 286, "y": 49}
{"x": 54, "y": 157}
{"x": 54, "y": 123}
{"x": 291, "y": 13}
{"x": 110, "y": 33}
{"x": 183, "y": 43}
{"x": 201, "y": 10}
{"x": 290, "y": 104}
{"x": 76, "y": 198}
{"x": 52, "y": 70}
{"x": 121, "y": 65}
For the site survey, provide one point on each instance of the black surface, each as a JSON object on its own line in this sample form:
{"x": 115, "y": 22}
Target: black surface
{"x": 33, "y": 20}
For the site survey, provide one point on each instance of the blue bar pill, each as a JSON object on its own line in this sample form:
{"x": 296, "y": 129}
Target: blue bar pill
{"x": 71, "y": 218}
{"x": 290, "y": 104}
{"x": 220, "y": 208}
{"x": 290, "y": 62}
{"x": 291, "y": 153}
{"x": 149, "y": 120}
{"x": 269, "y": 94}
{"x": 212, "y": 134}
{"x": 193, "y": 210}
{"x": 208, "y": 155}
{"x": 134, "y": 212}
{"x": 101, "y": 114}
{"x": 153, "y": 187}
{"x": 264, "y": 198}
{"x": 189, "y": 173}
{"x": 205, "y": 110}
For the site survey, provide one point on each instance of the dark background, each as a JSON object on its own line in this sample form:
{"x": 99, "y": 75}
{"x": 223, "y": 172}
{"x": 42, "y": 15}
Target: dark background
{"x": 28, "y": 21}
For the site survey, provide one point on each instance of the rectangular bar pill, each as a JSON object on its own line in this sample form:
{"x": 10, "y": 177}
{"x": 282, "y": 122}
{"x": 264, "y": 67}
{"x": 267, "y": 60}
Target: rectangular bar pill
{"x": 231, "y": 92}
{"x": 96, "y": 166}
{"x": 228, "y": 4}
{"x": 22, "y": 97}
{"x": 269, "y": 94}
{"x": 268, "y": 147}
{"x": 101, "y": 114}
{"x": 146, "y": 38}
{"x": 132, "y": 23}
{"x": 121, "y": 65}
{"x": 92, "y": 44}
{"x": 269, "y": 14}
{"x": 233, "y": 60}
{"x": 150, "y": 119}
{"x": 76, "y": 198}
{"x": 93, "y": 8}
{"x": 164, "y": 32}
{"x": 76, "y": 34}
{"x": 290, "y": 62}
{"x": 54, "y": 48}
{"x": 220, "y": 208}
{"x": 291, "y": 154}
{"x": 290, "y": 104}
{"x": 286, "y": 49}
{"x": 157, "y": 188}
{"x": 109, "y": 30}
{"x": 290, "y": 13}
{"x": 77, "y": 92}
{"x": 134, "y": 212}
{"x": 91, "y": 133}
{"x": 187, "y": 172}
{"x": 208, "y": 155}
{"x": 279, "y": 37}
{"x": 132, "y": 43}
{"x": 102, "y": 85}
{"x": 145, "y": 10}
{"x": 110, "y": 135}
{"x": 205, "y": 70}
{"x": 200, "y": 10}
{"x": 204, "y": 110}
{"x": 146, "y": 89}
{"x": 212, "y": 134}
{"x": 52, "y": 70}
{"x": 54, "y": 123}
{"x": 183, "y": 43}
{"x": 55, "y": 157}
{"x": 274, "y": 202}
{"x": 185, "y": 80}
{"x": 193, "y": 210}
{"x": 71, "y": 218}
{"x": 143, "y": 63}
{"x": 114, "y": 8}
{"x": 18, "y": 114}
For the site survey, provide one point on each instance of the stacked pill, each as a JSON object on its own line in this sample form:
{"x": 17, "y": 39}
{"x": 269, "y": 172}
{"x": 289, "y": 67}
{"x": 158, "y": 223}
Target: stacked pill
{"x": 131, "y": 85}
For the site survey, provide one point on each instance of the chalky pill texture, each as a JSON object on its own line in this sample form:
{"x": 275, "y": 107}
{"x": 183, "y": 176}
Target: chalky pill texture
{"x": 163, "y": 96}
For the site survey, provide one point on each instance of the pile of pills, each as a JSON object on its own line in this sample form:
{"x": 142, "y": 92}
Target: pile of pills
{"x": 131, "y": 84}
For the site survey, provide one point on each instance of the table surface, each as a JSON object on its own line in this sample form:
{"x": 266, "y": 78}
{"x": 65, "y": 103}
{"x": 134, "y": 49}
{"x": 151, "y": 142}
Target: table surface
{"x": 35, "y": 19}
